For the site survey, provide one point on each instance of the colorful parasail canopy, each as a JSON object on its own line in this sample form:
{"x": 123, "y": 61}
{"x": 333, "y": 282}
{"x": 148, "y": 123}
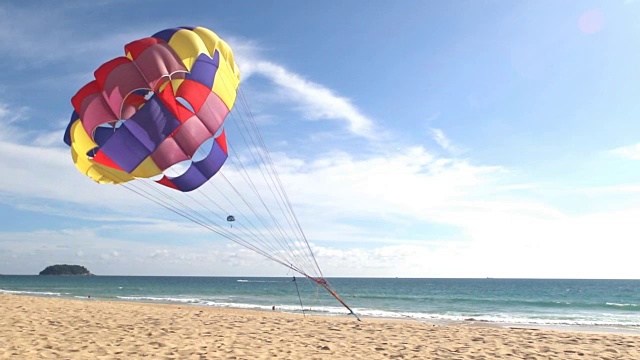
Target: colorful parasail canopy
{"x": 155, "y": 107}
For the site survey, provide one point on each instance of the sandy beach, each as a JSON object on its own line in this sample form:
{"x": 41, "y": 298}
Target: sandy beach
{"x": 40, "y": 328}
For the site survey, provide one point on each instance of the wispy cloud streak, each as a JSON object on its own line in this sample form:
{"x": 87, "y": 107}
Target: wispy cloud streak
{"x": 315, "y": 101}
{"x": 631, "y": 152}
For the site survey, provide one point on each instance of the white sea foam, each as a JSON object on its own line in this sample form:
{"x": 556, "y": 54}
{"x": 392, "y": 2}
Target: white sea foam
{"x": 334, "y": 310}
{"x": 161, "y": 299}
{"x": 214, "y": 303}
{"x": 37, "y": 293}
{"x": 616, "y": 304}
{"x": 507, "y": 319}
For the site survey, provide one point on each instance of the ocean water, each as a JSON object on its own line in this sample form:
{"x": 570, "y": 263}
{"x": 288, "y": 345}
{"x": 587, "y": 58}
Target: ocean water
{"x": 607, "y": 305}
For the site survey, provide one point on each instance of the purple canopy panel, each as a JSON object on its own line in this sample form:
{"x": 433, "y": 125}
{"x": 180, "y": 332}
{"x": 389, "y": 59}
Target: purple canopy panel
{"x": 139, "y": 136}
{"x": 67, "y": 131}
{"x": 166, "y": 34}
{"x": 204, "y": 69}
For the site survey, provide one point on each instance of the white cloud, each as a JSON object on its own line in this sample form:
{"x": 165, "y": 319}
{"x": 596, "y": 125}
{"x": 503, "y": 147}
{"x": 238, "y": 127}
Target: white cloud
{"x": 629, "y": 152}
{"x": 9, "y": 116}
{"x": 611, "y": 189}
{"x": 516, "y": 187}
{"x": 413, "y": 184}
{"x": 159, "y": 253}
{"x": 315, "y": 101}
{"x": 441, "y": 138}
{"x": 445, "y": 142}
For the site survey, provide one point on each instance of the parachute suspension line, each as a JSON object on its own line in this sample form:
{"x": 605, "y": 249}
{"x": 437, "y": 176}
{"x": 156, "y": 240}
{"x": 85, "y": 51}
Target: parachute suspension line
{"x": 268, "y": 161}
{"x": 254, "y": 232}
{"x": 279, "y": 240}
{"x": 191, "y": 217}
{"x": 279, "y": 182}
{"x": 244, "y": 230}
{"x": 282, "y": 239}
{"x": 254, "y": 136}
{"x": 240, "y": 227}
{"x": 261, "y": 164}
{"x": 264, "y": 242}
{"x": 266, "y": 158}
{"x": 280, "y": 188}
{"x": 249, "y": 181}
{"x": 165, "y": 203}
{"x": 268, "y": 165}
{"x": 280, "y": 228}
{"x": 168, "y": 206}
{"x": 274, "y": 184}
{"x": 299, "y": 297}
{"x": 194, "y": 212}
{"x": 257, "y": 133}
{"x": 203, "y": 224}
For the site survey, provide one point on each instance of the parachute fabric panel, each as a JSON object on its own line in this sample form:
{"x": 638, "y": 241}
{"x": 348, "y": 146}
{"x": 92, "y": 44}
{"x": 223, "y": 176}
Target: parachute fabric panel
{"x": 81, "y": 144}
{"x": 191, "y": 42}
{"x": 193, "y": 133}
{"x": 117, "y": 79}
{"x": 200, "y": 171}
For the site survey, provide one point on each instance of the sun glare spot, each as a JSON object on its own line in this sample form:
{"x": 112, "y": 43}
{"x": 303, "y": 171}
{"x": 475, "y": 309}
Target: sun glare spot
{"x": 591, "y": 21}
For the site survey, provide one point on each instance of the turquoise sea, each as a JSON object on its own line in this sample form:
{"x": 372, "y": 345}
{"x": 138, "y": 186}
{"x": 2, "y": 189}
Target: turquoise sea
{"x": 606, "y": 305}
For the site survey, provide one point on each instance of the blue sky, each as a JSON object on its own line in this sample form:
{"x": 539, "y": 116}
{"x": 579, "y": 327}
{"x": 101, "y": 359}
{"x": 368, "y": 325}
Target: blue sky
{"x": 416, "y": 138}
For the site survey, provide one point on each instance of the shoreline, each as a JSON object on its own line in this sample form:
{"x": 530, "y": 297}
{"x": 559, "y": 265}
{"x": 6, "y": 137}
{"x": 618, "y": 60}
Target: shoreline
{"x": 47, "y": 327}
{"x": 595, "y": 329}
{"x": 604, "y": 306}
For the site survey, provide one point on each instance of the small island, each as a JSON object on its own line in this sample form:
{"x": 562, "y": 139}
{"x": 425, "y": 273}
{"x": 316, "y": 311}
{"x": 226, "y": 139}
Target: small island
{"x": 73, "y": 270}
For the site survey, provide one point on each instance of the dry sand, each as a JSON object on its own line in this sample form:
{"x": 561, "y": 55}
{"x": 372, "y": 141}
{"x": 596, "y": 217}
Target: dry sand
{"x": 35, "y": 328}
